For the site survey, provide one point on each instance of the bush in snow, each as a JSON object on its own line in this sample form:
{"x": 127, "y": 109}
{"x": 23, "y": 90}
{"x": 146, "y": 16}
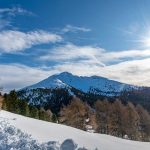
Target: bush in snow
{"x": 68, "y": 145}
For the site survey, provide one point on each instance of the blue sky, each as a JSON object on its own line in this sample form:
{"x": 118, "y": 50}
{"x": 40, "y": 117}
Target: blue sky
{"x": 109, "y": 38}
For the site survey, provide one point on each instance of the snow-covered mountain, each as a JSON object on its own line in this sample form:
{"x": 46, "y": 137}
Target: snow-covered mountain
{"x": 57, "y": 90}
{"x": 22, "y": 133}
{"x": 93, "y": 84}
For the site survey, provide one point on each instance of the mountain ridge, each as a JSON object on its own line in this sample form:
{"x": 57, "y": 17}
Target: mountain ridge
{"x": 86, "y": 84}
{"x": 58, "y": 90}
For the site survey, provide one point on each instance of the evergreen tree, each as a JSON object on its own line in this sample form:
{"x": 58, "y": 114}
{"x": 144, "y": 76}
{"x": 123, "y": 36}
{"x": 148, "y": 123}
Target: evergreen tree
{"x": 34, "y": 112}
{"x": 23, "y": 108}
{"x": 11, "y": 101}
{"x": 42, "y": 115}
{"x": 54, "y": 118}
{"x": 4, "y": 106}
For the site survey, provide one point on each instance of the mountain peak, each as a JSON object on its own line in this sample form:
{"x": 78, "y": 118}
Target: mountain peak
{"x": 97, "y": 84}
{"x": 65, "y": 73}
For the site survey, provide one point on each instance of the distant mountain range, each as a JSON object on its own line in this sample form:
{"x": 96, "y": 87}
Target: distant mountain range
{"x": 59, "y": 88}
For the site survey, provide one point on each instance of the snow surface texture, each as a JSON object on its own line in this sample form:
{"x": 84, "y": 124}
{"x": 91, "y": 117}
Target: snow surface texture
{"x": 15, "y": 130}
{"x": 94, "y": 84}
{"x": 12, "y": 138}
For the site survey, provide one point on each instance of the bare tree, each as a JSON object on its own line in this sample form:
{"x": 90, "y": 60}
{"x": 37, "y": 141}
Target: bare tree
{"x": 74, "y": 114}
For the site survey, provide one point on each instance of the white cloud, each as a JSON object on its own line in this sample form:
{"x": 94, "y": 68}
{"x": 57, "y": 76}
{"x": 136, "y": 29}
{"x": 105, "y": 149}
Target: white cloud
{"x": 14, "y": 11}
{"x": 129, "y": 66}
{"x": 133, "y": 72}
{"x": 71, "y": 52}
{"x": 16, "y": 76}
{"x": 13, "y": 41}
{"x": 82, "y": 60}
{"x": 4, "y": 22}
{"x": 125, "y": 55}
{"x": 70, "y": 28}
{"x": 7, "y": 15}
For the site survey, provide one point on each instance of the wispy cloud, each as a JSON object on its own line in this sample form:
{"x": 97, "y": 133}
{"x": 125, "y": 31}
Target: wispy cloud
{"x": 138, "y": 33}
{"x": 70, "y": 28}
{"x": 13, "y": 41}
{"x": 97, "y": 55}
{"x": 15, "y": 11}
{"x": 4, "y": 23}
{"x": 7, "y": 15}
{"x": 132, "y": 29}
{"x": 71, "y": 52}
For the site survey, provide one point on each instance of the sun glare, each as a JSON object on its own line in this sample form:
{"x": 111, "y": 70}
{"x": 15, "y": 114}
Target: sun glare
{"x": 144, "y": 38}
{"x": 146, "y": 42}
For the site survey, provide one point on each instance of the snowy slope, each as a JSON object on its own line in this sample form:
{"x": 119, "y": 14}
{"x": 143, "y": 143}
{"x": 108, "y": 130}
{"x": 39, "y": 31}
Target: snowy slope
{"x": 45, "y": 131}
{"x": 92, "y": 84}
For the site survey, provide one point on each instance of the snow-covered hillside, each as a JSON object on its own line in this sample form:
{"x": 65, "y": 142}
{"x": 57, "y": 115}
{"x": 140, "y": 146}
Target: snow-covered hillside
{"x": 94, "y": 84}
{"x": 45, "y": 132}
